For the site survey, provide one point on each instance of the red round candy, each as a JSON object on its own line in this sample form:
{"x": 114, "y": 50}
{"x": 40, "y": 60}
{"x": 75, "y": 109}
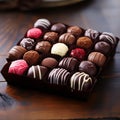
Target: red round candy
{"x": 78, "y": 53}
{"x": 34, "y": 33}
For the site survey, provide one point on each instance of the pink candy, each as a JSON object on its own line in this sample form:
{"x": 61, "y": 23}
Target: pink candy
{"x": 18, "y": 67}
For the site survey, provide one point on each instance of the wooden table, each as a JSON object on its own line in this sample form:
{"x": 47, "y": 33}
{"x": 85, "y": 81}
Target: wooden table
{"x": 18, "y": 103}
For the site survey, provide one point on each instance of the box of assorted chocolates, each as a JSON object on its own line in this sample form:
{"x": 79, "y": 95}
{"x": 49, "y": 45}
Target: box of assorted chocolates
{"x": 57, "y": 57}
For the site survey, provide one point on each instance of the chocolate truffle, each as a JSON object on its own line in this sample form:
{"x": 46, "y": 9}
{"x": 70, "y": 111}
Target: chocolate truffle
{"x": 27, "y": 43}
{"x": 69, "y": 63}
{"x": 31, "y": 57}
{"x": 84, "y": 42}
{"x": 108, "y": 37}
{"x": 93, "y": 34}
{"x": 102, "y": 47}
{"x": 78, "y": 53}
{"x": 34, "y": 33}
{"x": 81, "y": 82}
{"x": 18, "y": 67}
{"x": 97, "y": 58}
{"x": 67, "y": 38}
{"x": 59, "y": 49}
{"x": 49, "y": 62}
{"x": 75, "y": 30}
{"x": 16, "y": 52}
{"x": 59, "y": 76}
{"x": 51, "y": 37}
{"x": 37, "y": 72}
{"x": 88, "y": 67}
{"x": 42, "y": 23}
{"x": 59, "y": 28}
{"x": 43, "y": 47}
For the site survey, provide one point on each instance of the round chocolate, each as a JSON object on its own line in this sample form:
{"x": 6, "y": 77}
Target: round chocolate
{"x": 75, "y": 30}
{"x": 49, "y": 62}
{"x": 97, "y": 58}
{"x": 16, "y": 52}
{"x": 59, "y": 76}
{"x": 51, "y": 37}
{"x": 59, "y": 28}
{"x": 102, "y": 47}
{"x": 27, "y": 43}
{"x": 108, "y": 37}
{"x": 31, "y": 57}
{"x": 69, "y": 63}
{"x": 42, "y": 23}
{"x": 43, "y": 47}
{"x": 88, "y": 67}
{"x": 67, "y": 38}
{"x": 93, "y": 34}
{"x": 37, "y": 72}
{"x": 84, "y": 42}
{"x": 81, "y": 82}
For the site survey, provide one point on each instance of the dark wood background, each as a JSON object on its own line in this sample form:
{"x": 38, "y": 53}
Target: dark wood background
{"x": 19, "y": 103}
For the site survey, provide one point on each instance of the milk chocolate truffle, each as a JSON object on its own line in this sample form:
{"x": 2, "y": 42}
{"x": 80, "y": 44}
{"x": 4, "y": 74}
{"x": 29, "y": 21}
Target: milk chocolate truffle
{"x": 43, "y": 47}
{"x": 88, "y": 67}
{"x": 28, "y": 43}
{"x": 31, "y": 57}
{"x": 42, "y": 23}
{"x": 84, "y": 42}
{"x": 59, "y": 76}
{"x": 59, "y": 49}
{"x": 81, "y": 82}
{"x": 59, "y": 28}
{"x": 93, "y": 34}
{"x": 49, "y": 62}
{"x": 51, "y": 37}
{"x": 75, "y": 30}
{"x": 69, "y": 63}
{"x": 97, "y": 58}
{"x": 102, "y": 47}
{"x": 78, "y": 53}
{"x": 67, "y": 38}
{"x": 16, "y": 52}
{"x": 37, "y": 72}
{"x": 108, "y": 37}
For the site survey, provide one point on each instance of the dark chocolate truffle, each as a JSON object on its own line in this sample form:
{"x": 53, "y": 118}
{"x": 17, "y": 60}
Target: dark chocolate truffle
{"x": 67, "y": 38}
{"x": 69, "y": 63}
{"x": 108, "y": 37}
{"x": 16, "y": 52}
{"x": 49, "y": 62}
{"x": 31, "y": 57}
{"x": 27, "y": 43}
{"x": 43, "y": 47}
{"x": 37, "y": 72}
{"x": 84, "y": 42}
{"x": 81, "y": 82}
{"x": 93, "y": 34}
{"x": 42, "y": 23}
{"x": 102, "y": 47}
{"x": 75, "y": 30}
{"x": 78, "y": 53}
{"x": 51, "y": 37}
{"x": 88, "y": 67}
{"x": 97, "y": 58}
{"x": 59, "y": 76}
{"x": 59, "y": 28}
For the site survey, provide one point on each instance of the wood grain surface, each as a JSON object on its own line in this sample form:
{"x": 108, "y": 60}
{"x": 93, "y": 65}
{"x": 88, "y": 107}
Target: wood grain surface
{"x": 26, "y": 104}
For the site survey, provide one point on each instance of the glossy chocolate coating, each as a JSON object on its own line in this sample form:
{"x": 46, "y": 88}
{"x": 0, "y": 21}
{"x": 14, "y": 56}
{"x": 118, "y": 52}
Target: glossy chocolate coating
{"x": 43, "y": 47}
{"x": 27, "y": 43}
{"x": 102, "y": 47}
{"x": 67, "y": 38}
{"x": 88, "y": 67}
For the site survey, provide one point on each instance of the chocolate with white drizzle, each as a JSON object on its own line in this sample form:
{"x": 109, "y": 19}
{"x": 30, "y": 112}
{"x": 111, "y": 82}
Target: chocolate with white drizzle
{"x": 80, "y": 81}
